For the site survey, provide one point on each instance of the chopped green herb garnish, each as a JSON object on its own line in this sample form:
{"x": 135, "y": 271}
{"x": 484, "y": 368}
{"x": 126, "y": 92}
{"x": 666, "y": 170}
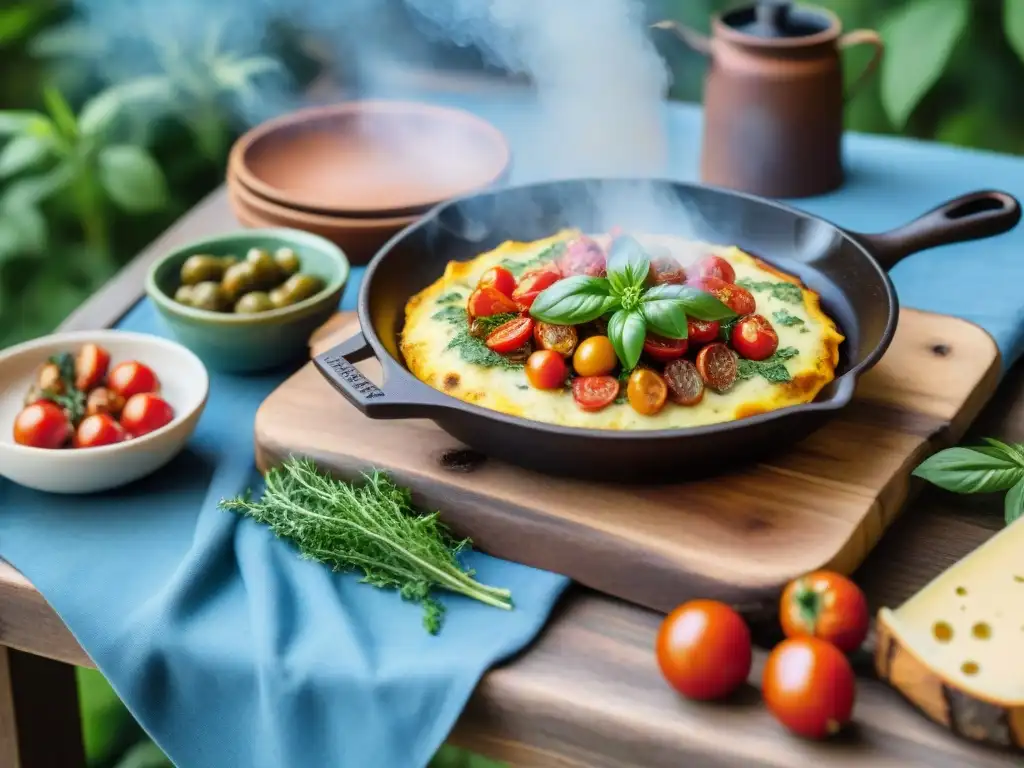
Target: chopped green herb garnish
{"x": 782, "y": 317}
{"x": 773, "y": 369}
{"x": 70, "y": 398}
{"x": 725, "y": 328}
{"x": 471, "y": 346}
{"x": 453, "y": 315}
{"x": 450, "y": 298}
{"x": 371, "y": 527}
{"x": 484, "y": 325}
{"x": 549, "y": 254}
{"x": 787, "y": 292}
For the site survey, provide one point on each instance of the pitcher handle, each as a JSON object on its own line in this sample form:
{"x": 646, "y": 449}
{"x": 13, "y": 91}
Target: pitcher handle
{"x": 691, "y": 37}
{"x": 860, "y": 37}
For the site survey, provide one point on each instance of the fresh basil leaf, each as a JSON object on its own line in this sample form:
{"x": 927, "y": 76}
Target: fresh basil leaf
{"x": 966, "y": 470}
{"x": 1014, "y": 503}
{"x": 627, "y": 331}
{"x": 696, "y": 303}
{"x": 628, "y": 263}
{"x": 665, "y": 317}
{"x": 574, "y": 300}
{"x": 1013, "y": 452}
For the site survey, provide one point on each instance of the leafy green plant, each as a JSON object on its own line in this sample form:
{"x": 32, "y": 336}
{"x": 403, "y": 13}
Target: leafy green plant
{"x": 632, "y": 308}
{"x": 990, "y": 468}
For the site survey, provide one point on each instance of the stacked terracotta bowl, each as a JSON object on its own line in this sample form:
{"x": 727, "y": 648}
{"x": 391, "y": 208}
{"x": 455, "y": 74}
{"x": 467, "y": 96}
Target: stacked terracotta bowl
{"x": 358, "y": 172}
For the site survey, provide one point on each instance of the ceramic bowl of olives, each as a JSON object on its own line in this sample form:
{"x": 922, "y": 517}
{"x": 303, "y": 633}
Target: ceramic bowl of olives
{"x": 249, "y": 301}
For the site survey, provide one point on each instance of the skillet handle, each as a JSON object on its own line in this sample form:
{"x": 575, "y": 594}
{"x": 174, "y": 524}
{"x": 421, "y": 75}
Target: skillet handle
{"x": 395, "y": 399}
{"x": 971, "y": 217}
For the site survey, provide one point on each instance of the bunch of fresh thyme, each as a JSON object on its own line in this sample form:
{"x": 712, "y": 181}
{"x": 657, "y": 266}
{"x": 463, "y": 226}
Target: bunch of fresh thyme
{"x": 372, "y": 527}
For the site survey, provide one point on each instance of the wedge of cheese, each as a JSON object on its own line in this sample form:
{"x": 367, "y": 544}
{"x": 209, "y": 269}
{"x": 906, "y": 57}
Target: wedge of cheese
{"x": 956, "y": 648}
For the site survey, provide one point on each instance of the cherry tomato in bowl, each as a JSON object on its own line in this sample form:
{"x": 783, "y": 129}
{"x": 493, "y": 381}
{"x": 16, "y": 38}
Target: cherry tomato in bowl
{"x": 754, "y": 338}
{"x": 91, "y": 364}
{"x": 828, "y": 606}
{"x": 132, "y": 378}
{"x": 99, "y": 429}
{"x": 43, "y": 424}
{"x": 704, "y": 650}
{"x": 809, "y": 687}
{"x": 145, "y": 413}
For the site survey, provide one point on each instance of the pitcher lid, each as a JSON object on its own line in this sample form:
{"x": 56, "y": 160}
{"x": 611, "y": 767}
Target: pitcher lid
{"x": 780, "y": 22}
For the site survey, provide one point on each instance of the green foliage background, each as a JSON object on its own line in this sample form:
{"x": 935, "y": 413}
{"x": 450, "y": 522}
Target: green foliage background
{"x": 97, "y": 169}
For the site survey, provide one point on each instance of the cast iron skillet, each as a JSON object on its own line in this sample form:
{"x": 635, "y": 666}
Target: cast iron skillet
{"x": 847, "y": 269}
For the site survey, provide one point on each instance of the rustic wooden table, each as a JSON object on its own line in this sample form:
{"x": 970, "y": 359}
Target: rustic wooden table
{"x": 588, "y": 692}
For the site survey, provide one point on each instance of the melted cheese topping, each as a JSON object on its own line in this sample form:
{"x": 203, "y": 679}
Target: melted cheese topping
{"x": 426, "y": 337}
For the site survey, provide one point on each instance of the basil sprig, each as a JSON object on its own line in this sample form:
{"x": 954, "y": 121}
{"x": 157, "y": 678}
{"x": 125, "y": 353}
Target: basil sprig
{"x": 631, "y": 307}
{"x": 989, "y": 468}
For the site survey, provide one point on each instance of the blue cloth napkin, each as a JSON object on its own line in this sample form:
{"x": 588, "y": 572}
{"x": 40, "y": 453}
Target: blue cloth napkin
{"x": 232, "y": 652}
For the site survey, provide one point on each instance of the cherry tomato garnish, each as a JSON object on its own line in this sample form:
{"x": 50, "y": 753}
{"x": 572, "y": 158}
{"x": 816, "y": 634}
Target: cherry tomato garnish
{"x": 132, "y": 378}
{"x": 532, "y": 283}
{"x": 685, "y": 385}
{"x": 646, "y": 391}
{"x": 754, "y": 338}
{"x": 716, "y": 266}
{"x": 498, "y": 278}
{"x": 487, "y": 301}
{"x": 592, "y": 393}
{"x": 144, "y": 413}
{"x": 90, "y": 366}
{"x": 828, "y": 606}
{"x": 559, "y": 338}
{"x": 717, "y": 366}
{"x": 511, "y": 335}
{"x": 702, "y": 331}
{"x": 546, "y": 369}
{"x": 42, "y": 425}
{"x": 103, "y": 400}
{"x": 739, "y": 300}
{"x": 583, "y": 256}
{"x": 704, "y": 650}
{"x": 808, "y": 685}
{"x": 595, "y": 356}
{"x": 100, "y": 429}
{"x": 666, "y": 270}
{"x": 661, "y": 349}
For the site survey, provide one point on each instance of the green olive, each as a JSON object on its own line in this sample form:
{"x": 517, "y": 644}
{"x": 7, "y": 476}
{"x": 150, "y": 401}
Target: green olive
{"x": 184, "y": 295}
{"x": 238, "y": 279}
{"x": 202, "y": 268}
{"x": 210, "y": 296}
{"x": 287, "y": 260}
{"x": 266, "y": 271}
{"x": 254, "y": 301}
{"x": 295, "y": 289}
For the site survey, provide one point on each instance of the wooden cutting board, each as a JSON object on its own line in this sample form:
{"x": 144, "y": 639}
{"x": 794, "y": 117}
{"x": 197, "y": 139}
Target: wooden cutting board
{"x": 737, "y": 537}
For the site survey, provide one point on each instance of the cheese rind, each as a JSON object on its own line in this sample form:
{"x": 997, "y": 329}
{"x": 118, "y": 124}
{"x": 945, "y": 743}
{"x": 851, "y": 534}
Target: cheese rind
{"x": 955, "y": 648}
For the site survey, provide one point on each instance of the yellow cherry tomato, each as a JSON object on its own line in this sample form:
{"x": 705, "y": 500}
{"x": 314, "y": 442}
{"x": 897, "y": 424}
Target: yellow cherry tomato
{"x": 595, "y": 356}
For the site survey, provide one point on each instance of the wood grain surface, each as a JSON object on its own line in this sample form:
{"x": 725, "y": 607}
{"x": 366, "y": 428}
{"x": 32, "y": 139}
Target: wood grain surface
{"x": 587, "y": 692}
{"x": 739, "y": 537}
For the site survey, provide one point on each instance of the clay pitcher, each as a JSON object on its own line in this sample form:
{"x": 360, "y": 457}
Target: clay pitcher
{"x": 773, "y": 100}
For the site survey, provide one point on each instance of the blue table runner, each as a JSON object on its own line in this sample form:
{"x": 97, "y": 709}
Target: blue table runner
{"x": 231, "y": 651}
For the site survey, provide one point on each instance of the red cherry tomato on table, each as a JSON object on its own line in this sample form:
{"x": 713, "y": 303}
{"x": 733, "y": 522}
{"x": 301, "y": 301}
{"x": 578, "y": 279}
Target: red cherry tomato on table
{"x": 703, "y": 649}
{"x": 558, "y": 338}
{"x": 702, "y": 331}
{"x": 716, "y": 266}
{"x": 487, "y": 301}
{"x": 808, "y": 685}
{"x": 754, "y": 338}
{"x": 739, "y": 300}
{"x": 100, "y": 429}
{"x": 685, "y": 385}
{"x": 532, "y": 283}
{"x": 511, "y": 335}
{"x": 546, "y": 369}
{"x": 145, "y": 413}
{"x": 498, "y": 278}
{"x": 661, "y": 349}
{"x": 42, "y": 425}
{"x": 646, "y": 391}
{"x": 592, "y": 393}
{"x": 583, "y": 256}
{"x": 717, "y": 366}
{"x": 132, "y": 378}
{"x": 90, "y": 366}
{"x": 828, "y": 606}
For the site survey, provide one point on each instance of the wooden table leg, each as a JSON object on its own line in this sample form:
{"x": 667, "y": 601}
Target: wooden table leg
{"x": 40, "y": 725}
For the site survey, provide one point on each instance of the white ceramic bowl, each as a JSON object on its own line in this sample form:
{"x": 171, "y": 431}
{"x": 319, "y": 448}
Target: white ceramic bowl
{"x": 184, "y": 384}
